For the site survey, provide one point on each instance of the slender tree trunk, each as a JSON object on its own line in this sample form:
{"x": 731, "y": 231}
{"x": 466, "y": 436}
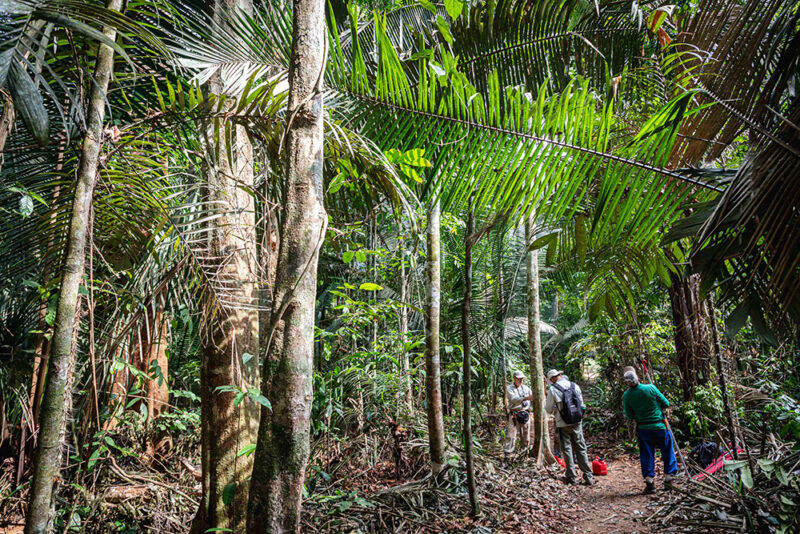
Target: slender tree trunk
{"x": 230, "y": 348}
{"x": 406, "y": 364}
{"x": 283, "y": 435}
{"x": 48, "y": 452}
{"x": 433, "y": 383}
{"x": 466, "y": 374}
{"x": 723, "y": 382}
{"x": 502, "y": 326}
{"x": 540, "y": 442}
{"x": 692, "y": 336}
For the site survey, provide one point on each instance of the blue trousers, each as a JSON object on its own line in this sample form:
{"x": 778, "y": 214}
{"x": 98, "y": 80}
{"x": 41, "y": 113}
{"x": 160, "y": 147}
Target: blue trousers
{"x": 649, "y": 441}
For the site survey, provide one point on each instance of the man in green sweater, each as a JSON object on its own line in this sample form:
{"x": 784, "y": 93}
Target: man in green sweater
{"x": 645, "y": 404}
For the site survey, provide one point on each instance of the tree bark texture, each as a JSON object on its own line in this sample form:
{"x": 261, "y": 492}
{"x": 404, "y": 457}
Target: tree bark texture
{"x": 433, "y": 381}
{"x": 283, "y": 436}
{"x": 234, "y": 331}
{"x": 540, "y": 441}
{"x": 48, "y": 451}
{"x": 466, "y": 373}
{"x": 692, "y": 335}
{"x": 150, "y": 357}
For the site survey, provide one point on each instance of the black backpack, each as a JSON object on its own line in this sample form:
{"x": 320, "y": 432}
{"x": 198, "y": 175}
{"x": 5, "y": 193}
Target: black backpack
{"x": 570, "y": 407}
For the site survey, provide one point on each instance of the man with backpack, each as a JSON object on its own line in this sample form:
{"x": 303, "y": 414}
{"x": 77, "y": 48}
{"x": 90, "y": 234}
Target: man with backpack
{"x": 519, "y": 420}
{"x": 566, "y": 401}
{"x": 646, "y": 404}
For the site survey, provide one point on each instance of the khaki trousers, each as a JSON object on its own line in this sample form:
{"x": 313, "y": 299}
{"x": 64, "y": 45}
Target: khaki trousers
{"x": 512, "y": 430}
{"x": 571, "y": 438}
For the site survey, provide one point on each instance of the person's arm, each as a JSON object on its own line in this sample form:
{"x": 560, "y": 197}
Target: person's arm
{"x": 660, "y": 398}
{"x": 550, "y": 403}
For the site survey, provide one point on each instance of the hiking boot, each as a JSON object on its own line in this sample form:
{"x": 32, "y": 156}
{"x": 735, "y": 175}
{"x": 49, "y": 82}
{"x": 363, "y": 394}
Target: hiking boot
{"x": 588, "y": 482}
{"x": 569, "y": 481}
{"x": 668, "y": 479}
{"x": 649, "y": 488}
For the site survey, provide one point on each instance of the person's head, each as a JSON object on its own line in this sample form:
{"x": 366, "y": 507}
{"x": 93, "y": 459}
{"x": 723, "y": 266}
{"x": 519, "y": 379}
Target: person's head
{"x": 519, "y": 376}
{"x": 553, "y": 375}
{"x": 630, "y": 377}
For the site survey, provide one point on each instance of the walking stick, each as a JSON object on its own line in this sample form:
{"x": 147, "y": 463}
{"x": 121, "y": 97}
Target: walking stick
{"x": 677, "y": 448}
{"x": 666, "y": 422}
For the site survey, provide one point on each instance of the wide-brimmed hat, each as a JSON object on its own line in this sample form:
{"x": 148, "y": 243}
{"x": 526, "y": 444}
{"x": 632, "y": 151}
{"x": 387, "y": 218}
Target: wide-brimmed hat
{"x": 519, "y": 374}
{"x": 553, "y": 372}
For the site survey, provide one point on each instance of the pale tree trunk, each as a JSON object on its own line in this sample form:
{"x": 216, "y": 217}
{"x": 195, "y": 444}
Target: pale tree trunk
{"x": 466, "y": 372}
{"x": 7, "y": 119}
{"x": 230, "y": 347}
{"x": 433, "y": 383}
{"x": 157, "y": 387}
{"x": 51, "y": 417}
{"x": 540, "y": 440}
{"x": 283, "y": 436}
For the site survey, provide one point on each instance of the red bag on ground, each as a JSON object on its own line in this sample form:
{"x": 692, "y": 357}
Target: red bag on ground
{"x": 561, "y": 461}
{"x": 599, "y": 467}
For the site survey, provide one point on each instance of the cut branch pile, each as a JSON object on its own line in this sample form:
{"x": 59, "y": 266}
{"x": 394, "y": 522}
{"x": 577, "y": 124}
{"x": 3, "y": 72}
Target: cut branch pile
{"x": 756, "y": 493}
{"x": 525, "y": 499}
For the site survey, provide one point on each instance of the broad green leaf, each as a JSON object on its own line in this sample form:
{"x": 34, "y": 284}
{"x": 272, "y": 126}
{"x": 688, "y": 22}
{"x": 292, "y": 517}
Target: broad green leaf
{"x": 543, "y": 241}
{"x": 246, "y": 450}
{"x": 444, "y": 29}
{"x": 28, "y": 102}
{"x": 428, "y": 5}
{"x": 228, "y": 493}
{"x": 369, "y": 286}
{"x": 453, "y": 8}
{"x": 259, "y": 398}
{"x": 347, "y": 257}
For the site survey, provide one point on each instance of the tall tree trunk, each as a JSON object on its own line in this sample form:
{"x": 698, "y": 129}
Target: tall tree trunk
{"x": 692, "y": 335}
{"x": 433, "y": 383}
{"x": 406, "y": 364}
{"x": 466, "y": 373}
{"x": 156, "y": 366}
{"x": 230, "y": 348}
{"x": 540, "y": 443}
{"x": 501, "y": 318}
{"x": 48, "y": 451}
{"x": 283, "y": 435}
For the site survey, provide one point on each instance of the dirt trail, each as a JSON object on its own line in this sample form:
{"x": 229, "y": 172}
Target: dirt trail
{"x": 616, "y": 505}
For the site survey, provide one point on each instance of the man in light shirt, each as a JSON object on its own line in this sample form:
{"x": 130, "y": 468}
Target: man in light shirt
{"x": 518, "y": 422}
{"x": 570, "y": 434}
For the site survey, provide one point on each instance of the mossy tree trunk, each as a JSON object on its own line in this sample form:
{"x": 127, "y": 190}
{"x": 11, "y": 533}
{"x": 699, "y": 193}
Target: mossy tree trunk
{"x": 540, "y": 442}
{"x": 51, "y": 416}
{"x": 283, "y": 436}
{"x": 433, "y": 382}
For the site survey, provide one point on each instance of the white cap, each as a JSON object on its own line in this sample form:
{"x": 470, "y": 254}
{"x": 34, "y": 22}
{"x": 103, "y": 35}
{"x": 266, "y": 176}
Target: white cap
{"x": 630, "y": 378}
{"x": 552, "y": 372}
{"x": 519, "y": 374}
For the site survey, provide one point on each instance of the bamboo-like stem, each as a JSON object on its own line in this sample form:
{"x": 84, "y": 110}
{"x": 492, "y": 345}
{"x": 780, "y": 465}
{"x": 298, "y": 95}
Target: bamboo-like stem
{"x": 48, "y": 453}
{"x": 466, "y": 373}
